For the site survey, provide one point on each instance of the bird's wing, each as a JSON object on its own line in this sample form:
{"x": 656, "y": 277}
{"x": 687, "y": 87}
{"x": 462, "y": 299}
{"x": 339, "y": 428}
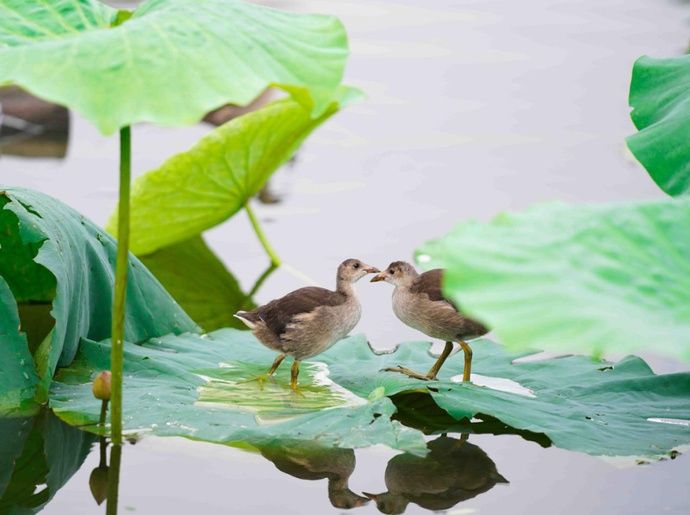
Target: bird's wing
{"x": 279, "y": 313}
{"x": 429, "y": 283}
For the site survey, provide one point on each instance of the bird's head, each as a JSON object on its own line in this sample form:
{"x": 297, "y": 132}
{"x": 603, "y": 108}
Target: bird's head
{"x": 352, "y": 270}
{"x": 389, "y": 502}
{"x": 398, "y": 273}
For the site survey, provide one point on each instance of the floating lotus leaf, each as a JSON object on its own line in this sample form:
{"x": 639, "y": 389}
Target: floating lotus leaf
{"x": 201, "y": 387}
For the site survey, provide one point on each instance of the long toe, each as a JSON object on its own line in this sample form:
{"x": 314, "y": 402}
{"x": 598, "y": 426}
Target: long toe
{"x": 407, "y": 372}
{"x": 259, "y": 379}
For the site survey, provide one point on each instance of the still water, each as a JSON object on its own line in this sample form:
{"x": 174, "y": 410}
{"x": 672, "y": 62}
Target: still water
{"x": 473, "y": 107}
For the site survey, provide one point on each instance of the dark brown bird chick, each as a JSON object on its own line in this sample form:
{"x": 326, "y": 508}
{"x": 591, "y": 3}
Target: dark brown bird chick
{"x": 308, "y": 321}
{"x": 418, "y": 302}
{"x": 453, "y": 471}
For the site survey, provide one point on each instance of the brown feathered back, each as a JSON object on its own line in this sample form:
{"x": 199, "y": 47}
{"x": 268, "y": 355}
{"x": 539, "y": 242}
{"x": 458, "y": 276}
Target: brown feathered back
{"x": 430, "y": 283}
{"x": 278, "y": 313}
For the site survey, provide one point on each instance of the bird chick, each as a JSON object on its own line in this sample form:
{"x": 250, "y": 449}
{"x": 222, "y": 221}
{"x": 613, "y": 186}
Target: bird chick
{"x": 418, "y": 302}
{"x": 308, "y": 321}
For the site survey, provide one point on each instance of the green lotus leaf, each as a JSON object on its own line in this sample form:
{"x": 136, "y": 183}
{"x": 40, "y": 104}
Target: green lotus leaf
{"x": 48, "y": 252}
{"x": 584, "y": 279}
{"x": 37, "y": 457}
{"x": 170, "y": 61}
{"x": 203, "y": 387}
{"x": 207, "y": 184}
{"x": 200, "y": 283}
{"x": 660, "y": 98}
{"x": 581, "y": 404}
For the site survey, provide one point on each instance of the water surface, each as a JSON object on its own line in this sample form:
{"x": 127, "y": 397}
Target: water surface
{"x": 473, "y": 107}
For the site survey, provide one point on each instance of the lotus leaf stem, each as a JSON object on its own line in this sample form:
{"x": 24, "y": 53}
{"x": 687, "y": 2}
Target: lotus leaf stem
{"x": 275, "y": 260}
{"x": 119, "y": 300}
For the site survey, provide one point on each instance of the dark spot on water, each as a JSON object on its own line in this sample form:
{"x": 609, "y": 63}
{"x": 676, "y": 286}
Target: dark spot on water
{"x": 604, "y": 369}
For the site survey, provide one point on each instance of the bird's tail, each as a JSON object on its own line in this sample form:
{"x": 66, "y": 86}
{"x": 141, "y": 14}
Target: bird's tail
{"x": 247, "y": 318}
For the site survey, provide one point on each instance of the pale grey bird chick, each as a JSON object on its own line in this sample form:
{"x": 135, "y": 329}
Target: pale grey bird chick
{"x": 308, "y": 321}
{"x": 418, "y": 302}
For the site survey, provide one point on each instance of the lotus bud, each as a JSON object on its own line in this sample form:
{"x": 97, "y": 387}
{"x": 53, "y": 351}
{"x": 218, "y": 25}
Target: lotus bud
{"x": 101, "y": 386}
{"x": 98, "y": 483}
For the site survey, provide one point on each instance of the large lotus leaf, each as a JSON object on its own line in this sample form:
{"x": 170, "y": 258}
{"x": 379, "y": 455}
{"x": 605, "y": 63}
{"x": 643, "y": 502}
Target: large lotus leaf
{"x": 77, "y": 259}
{"x": 200, "y": 283}
{"x": 45, "y": 453}
{"x": 660, "y": 98}
{"x": 202, "y": 387}
{"x": 171, "y": 62}
{"x": 205, "y": 185}
{"x": 581, "y": 404}
{"x": 582, "y": 279}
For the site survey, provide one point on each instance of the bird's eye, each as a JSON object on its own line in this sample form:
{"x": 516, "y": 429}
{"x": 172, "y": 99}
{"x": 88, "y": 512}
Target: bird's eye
{"x": 391, "y": 271}
{"x": 355, "y": 266}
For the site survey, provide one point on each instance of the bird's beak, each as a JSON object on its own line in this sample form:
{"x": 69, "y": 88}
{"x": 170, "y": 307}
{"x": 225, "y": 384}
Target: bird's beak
{"x": 373, "y": 497}
{"x": 362, "y": 501}
{"x": 371, "y": 269}
{"x": 381, "y": 276}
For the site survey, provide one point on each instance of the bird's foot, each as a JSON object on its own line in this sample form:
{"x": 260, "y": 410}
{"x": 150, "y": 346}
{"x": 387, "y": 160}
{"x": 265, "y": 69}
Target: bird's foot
{"x": 296, "y": 392}
{"x": 409, "y": 373}
{"x": 262, "y": 379}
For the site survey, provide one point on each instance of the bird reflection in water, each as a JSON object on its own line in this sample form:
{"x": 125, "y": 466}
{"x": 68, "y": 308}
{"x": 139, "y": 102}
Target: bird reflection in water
{"x": 454, "y": 470}
{"x": 313, "y": 462}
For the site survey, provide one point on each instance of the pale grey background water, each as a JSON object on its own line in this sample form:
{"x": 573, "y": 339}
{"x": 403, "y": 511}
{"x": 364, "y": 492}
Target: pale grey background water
{"x": 473, "y": 107}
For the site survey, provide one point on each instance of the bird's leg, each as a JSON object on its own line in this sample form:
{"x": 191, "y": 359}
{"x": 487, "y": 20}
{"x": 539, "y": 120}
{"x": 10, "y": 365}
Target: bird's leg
{"x": 468, "y": 360}
{"x": 433, "y": 371}
{"x": 276, "y": 364}
{"x": 294, "y": 372}
{"x": 431, "y": 374}
{"x": 261, "y": 379}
